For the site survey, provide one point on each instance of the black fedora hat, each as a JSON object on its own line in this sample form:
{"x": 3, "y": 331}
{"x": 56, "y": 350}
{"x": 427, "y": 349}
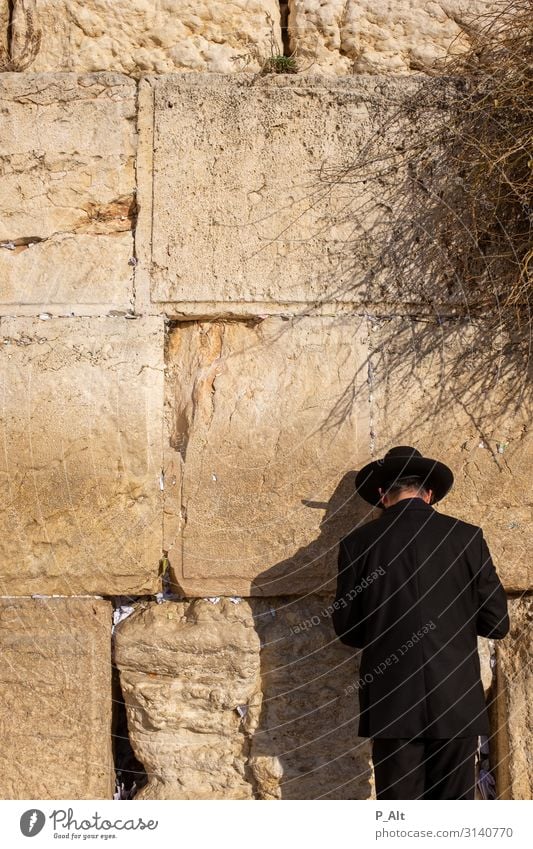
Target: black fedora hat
{"x": 400, "y": 462}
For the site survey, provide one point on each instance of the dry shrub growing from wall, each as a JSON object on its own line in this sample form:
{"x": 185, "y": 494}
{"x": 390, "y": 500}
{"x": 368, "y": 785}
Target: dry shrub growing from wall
{"x": 430, "y": 231}
{"x": 451, "y": 215}
{"x": 278, "y": 59}
{"x": 489, "y": 145}
{"x": 455, "y": 168}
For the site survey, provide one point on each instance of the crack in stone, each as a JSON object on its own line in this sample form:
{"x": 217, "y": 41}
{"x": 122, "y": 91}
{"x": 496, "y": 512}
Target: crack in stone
{"x": 101, "y": 219}
{"x": 284, "y": 26}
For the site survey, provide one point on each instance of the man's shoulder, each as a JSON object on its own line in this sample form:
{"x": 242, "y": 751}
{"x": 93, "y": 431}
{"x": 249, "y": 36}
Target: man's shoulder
{"x": 366, "y": 530}
{"x": 376, "y": 527}
{"x": 457, "y": 524}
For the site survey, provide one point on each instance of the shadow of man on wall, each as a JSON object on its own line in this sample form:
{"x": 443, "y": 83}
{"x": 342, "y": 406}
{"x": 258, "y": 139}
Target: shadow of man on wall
{"x": 305, "y": 745}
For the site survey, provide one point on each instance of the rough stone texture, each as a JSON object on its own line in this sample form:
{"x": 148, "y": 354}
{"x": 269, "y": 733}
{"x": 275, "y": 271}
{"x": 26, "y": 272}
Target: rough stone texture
{"x": 67, "y": 189}
{"x": 513, "y": 714}
{"x": 55, "y": 718}
{"x": 354, "y": 36}
{"x": 186, "y": 667}
{"x": 458, "y": 393}
{"x": 245, "y": 208}
{"x": 4, "y": 19}
{"x": 306, "y": 744}
{"x": 82, "y": 404}
{"x": 485, "y": 649}
{"x": 135, "y": 36}
{"x": 265, "y": 421}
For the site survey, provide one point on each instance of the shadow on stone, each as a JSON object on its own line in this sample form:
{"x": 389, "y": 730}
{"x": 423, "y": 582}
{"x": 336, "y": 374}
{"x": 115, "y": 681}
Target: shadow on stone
{"x": 305, "y": 745}
{"x": 130, "y": 773}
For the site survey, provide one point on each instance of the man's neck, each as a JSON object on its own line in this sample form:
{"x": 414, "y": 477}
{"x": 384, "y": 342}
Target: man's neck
{"x": 405, "y": 498}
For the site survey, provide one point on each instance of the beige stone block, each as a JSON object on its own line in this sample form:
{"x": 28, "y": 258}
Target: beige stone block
{"x": 265, "y": 422}
{"x": 485, "y": 650}
{"x": 82, "y": 407}
{"x": 458, "y": 392}
{"x": 248, "y": 204}
{"x": 365, "y": 36}
{"x": 188, "y": 671}
{"x": 67, "y": 189}
{"x": 306, "y": 744}
{"x": 4, "y": 21}
{"x": 241, "y": 699}
{"x": 513, "y": 715}
{"x": 135, "y": 36}
{"x": 55, "y": 716}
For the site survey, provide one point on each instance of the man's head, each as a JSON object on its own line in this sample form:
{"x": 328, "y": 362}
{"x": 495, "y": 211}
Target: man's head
{"x": 385, "y": 477}
{"x": 409, "y": 486}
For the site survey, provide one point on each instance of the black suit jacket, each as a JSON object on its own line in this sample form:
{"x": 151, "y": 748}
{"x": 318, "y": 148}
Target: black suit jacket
{"x": 415, "y": 588}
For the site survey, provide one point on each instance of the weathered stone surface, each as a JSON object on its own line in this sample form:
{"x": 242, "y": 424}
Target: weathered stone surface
{"x": 4, "y": 20}
{"x": 245, "y": 208}
{"x": 458, "y": 393}
{"x": 265, "y": 421}
{"x": 79, "y": 481}
{"x": 485, "y": 648}
{"x": 135, "y": 36}
{"x": 354, "y": 36}
{"x": 190, "y": 669}
{"x": 185, "y": 669}
{"x": 55, "y": 718}
{"x": 513, "y": 713}
{"x": 67, "y": 189}
{"x": 306, "y": 744}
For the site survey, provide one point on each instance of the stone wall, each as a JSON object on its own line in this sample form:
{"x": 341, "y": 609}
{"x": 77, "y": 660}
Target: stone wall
{"x": 227, "y": 36}
{"x": 197, "y": 355}
{"x": 376, "y": 36}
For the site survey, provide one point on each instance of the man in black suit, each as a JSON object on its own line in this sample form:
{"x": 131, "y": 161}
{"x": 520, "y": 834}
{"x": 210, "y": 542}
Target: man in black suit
{"x": 415, "y": 588}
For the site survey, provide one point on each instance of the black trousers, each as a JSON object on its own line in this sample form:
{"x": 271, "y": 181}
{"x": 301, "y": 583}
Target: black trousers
{"x": 424, "y": 768}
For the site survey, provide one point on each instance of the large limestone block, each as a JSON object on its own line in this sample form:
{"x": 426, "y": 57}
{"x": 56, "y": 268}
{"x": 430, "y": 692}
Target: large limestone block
{"x": 135, "y": 36}
{"x": 459, "y": 393}
{"x": 245, "y": 207}
{"x": 265, "y": 421}
{"x": 241, "y": 699}
{"x": 67, "y": 189}
{"x": 82, "y": 407}
{"x": 306, "y": 744}
{"x": 190, "y": 676}
{"x": 55, "y": 712}
{"x": 354, "y": 36}
{"x": 513, "y": 715}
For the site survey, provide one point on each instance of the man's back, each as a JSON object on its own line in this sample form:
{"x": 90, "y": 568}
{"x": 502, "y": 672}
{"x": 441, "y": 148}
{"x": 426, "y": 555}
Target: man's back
{"x": 415, "y": 589}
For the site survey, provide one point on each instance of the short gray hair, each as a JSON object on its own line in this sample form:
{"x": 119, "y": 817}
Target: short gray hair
{"x": 407, "y": 482}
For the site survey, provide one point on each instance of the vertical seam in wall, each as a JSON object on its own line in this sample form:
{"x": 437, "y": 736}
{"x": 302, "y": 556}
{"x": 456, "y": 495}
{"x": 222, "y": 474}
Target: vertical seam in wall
{"x": 145, "y": 195}
{"x": 9, "y": 38}
{"x": 152, "y": 140}
{"x": 162, "y": 452}
{"x": 370, "y": 381}
{"x": 134, "y": 230}
{"x": 182, "y": 459}
{"x": 284, "y": 27}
